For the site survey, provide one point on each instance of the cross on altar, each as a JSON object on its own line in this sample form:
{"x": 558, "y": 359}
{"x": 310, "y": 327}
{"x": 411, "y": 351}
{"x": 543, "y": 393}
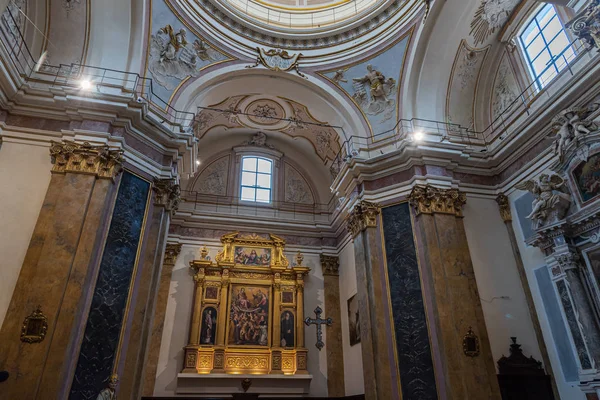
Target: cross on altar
{"x": 318, "y": 322}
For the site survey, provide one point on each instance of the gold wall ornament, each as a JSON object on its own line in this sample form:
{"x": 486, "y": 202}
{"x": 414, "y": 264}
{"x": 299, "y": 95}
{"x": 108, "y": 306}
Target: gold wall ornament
{"x": 363, "y": 216}
{"x": 431, "y": 200}
{"x": 504, "y": 206}
{"x": 109, "y": 393}
{"x": 101, "y": 161}
{"x": 278, "y": 60}
{"x": 171, "y": 252}
{"x": 204, "y": 254}
{"x": 330, "y": 265}
{"x": 168, "y": 194}
{"x": 299, "y": 258}
{"x": 471, "y": 344}
{"x": 34, "y": 327}
{"x": 244, "y": 250}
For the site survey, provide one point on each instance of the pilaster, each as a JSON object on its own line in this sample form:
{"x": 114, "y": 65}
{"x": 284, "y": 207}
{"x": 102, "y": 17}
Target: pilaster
{"x": 335, "y": 356}
{"x": 172, "y": 250}
{"x": 450, "y": 283}
{"x": 379, "y": 365}
{"x": 506, "y": 214}
{"x": 60, "y": 269}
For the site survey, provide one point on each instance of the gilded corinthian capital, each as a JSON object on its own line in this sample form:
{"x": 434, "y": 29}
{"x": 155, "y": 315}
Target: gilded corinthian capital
{"x": 330, "y": 265}
{"x": 85, "y": 158}
{"x": 171, "y": 252}
{"x": 431, "y": 200}
{"x": 168, "y": 194}
{"x": 363, "y": 215}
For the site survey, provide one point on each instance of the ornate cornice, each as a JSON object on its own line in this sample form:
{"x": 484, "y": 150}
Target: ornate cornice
{"x": 85, "y": 158}
{"x": 363, "y": 216}
{"x": 171, "y": 252}
{"x": 431, "y": 200}
{"x": 168, "y": 194}
{"x": 504, "y": 206}
{"x": 330, "y": 265}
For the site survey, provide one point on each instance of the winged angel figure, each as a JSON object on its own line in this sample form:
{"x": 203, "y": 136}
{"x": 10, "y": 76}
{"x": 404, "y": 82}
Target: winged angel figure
{"x": 546, "y": 200}
{"x": 571, "y": 124}
{"x": 380, "y": 96}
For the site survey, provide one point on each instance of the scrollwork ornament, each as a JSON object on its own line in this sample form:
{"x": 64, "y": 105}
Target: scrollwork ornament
{"x": 34, "y": 327}
{"x": 587, "y": 26}
{"x": 363, "y": 216}
{"x": 330, "y": 265}
{"x": 504, "y": 205}
{"x": 171, "y": 252}
{"x": 168, "y": 194}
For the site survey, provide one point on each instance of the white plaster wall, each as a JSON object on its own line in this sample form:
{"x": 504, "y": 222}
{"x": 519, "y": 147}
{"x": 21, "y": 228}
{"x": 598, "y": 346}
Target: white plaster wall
{"x": 533, "y": 259}
{"x": 178, "y": 314}
{"x": 24, "y": 179}
{"x": 502, "y": 296}
{"x": 353, "y": 366}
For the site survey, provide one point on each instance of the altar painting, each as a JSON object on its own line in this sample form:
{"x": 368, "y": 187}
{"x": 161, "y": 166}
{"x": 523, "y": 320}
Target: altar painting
{"x": 208, "y": 329}
{"x": 587, "y": 178}
{"x": 287, "y": 329}
{"x": 249, "y": 316}
{"x": 256, "y": 257}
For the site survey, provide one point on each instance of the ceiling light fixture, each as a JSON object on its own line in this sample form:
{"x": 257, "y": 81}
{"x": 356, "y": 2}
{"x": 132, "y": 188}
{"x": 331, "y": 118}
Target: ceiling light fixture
{"x": 85, "y": 84}
{"x": 418, "y": 136}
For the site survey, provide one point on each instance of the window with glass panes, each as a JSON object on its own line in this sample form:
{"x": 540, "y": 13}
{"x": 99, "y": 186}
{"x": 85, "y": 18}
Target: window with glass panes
{"x": 256, "y": 179}
{"x": 546, "y": 46}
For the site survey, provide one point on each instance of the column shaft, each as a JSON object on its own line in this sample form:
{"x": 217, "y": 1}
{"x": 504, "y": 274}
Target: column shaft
{"x": 334, "y": 347}
{"x": 162, "y": 298}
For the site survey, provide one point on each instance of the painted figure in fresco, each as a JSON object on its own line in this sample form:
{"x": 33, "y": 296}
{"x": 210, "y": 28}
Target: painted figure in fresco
{"x": 110, "y": 392}
{"x": 287, "y": 329}
{"x": 240, "y": 257}
{"x": 546, "y": 199}
{"x": 176, "y": 42}
{"x": 262, "y": 324}
{"x": 252, "y": 259}
{"x": 260, "y": 299}
{"x": 242, "y": 299}
{"x": 209, "y": 324}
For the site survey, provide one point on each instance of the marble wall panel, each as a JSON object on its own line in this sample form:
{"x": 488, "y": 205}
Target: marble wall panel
{"x": 107, "y": 311}
{"x": 579, "y": 341}
{"x": 412, "y": 339}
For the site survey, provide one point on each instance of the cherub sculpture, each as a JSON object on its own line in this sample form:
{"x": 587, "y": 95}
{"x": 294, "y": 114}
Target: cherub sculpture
{"x": 546, "y": 201}
{"x": 569, "y": 125}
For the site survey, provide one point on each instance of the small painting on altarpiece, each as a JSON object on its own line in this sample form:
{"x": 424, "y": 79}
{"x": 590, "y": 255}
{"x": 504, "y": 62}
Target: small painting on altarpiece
{"x": 249, "y": 316}
{"x": 287, "y": 329}
{"x": 255, "y": 257}
{"x": 209, "y": 326}
{"x": 212, "y": 293}
{"x": 287, "y": 297}
{"x": 587, "y": 178}
{"x": 353, "y": 320}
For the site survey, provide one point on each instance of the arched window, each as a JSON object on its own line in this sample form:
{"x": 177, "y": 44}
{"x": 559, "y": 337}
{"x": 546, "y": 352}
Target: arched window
{"x": 545, "y": 45}
{"x": 257, "y": 173}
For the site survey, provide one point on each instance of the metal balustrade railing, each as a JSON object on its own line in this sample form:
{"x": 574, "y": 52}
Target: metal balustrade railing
{"x": 135, "y": 88}
{"x": 299, "y": 18}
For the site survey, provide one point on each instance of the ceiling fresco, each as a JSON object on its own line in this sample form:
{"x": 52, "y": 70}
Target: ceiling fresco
{"x": 175, "y": 53}
{"x": 374, "y": 83}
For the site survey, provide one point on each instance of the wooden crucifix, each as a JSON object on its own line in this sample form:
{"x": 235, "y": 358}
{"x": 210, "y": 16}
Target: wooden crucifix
{"x": 318, "y": 322}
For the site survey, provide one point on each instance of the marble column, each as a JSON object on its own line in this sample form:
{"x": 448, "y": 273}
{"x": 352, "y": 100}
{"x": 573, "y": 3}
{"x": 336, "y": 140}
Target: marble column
{"x": 379, "y": 365}
{"x": 162, "y": 296}
{"x": 335, "y": 355}
{"x": 450, "y": 288}
{"x": 566, "y": 272}
{"x": 134, "y": 352}
{"x": 506, "y": 214}
{"x": 59, "y": 271}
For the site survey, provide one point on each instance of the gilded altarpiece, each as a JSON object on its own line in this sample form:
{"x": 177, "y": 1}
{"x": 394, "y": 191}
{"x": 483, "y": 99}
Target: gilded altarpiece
{"x": 247, "y": 315}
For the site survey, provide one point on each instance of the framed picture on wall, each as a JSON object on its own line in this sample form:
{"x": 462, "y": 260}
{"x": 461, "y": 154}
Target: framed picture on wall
{"x": 353, "y": 320}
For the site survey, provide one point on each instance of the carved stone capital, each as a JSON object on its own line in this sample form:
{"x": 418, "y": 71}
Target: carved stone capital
{"x": 363, "y": 216}
{"x": 586, "y": 25}
{"x": 171, "y": 252}
{"x": 504, "y": 206}
{"x": 431, "y": 200}
{"x": 330, "y": 265}
{"x": 85, "y": 158}
{"x": 167, "y": 193}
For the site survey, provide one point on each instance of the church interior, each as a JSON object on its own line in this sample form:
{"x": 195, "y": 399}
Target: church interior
{"x": 271, "y": 199}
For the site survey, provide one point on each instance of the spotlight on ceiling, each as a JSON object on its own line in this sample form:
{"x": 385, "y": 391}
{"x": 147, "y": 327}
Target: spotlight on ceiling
{"x": 198, "y": 162}
{"x": 418, "y": 136}
{"x": 85, "y": 84}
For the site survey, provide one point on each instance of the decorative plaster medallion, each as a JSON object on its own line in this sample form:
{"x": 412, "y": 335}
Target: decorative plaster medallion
{"x": 265, "y": 112}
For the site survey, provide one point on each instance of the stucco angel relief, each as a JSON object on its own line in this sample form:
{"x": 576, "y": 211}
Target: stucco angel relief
{"x": 171, "y": 56}
{"x": 375, "y": 94}
{"x": 551, "y": 203}
{"x": 570, "y": 125}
